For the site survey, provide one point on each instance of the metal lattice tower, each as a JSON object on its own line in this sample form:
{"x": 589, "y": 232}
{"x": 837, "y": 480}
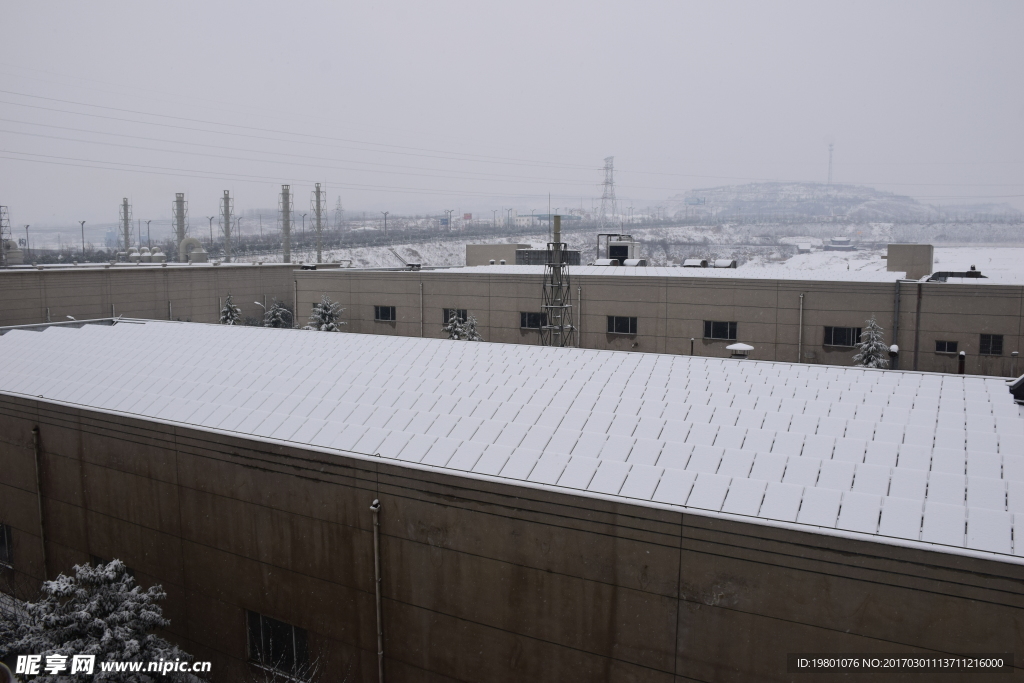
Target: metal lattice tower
{"x": 180, "y": 210}
{"x": 339, "y": 215}
{"x": 6, "y": 236}
{"x": 557, "y": 329}
{"x": 126, "y": 223}
{"x": 285, "y": 208}
{"x": 226, "y": 207}
{"x": 608, "y": 196}
{"x": 317, "y": 204}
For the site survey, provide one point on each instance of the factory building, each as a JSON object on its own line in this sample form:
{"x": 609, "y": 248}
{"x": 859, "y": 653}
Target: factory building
{"x": 518, "y": 512}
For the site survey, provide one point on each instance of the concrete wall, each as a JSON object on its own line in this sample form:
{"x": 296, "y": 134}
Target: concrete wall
{"x": 916, "y": 260}
{"x": 161, "y": 293}
{"x": 481, "y": 254}
{"x": 481, "y": 581}
{"x": 671, "y": 310}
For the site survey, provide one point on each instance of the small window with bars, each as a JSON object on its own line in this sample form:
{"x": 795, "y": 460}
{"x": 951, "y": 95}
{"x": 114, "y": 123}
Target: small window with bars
{"x": 945, "y": 346}
{"x": 533, "y": 321}
{"x": 842, "y": 336}
{"x": 6, "y": 546}
{"x": 276, "y": 645}
{"x": 714, "y": 329}
{"x": 454, "y": 312}
{"x": 991, "y": 345}
{"x": 384, "y": 313}
{"x": 618, "y": 324}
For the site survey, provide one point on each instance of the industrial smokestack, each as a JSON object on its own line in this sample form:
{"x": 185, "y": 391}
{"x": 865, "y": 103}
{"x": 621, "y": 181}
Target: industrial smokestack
{"x": 286, "y": 222}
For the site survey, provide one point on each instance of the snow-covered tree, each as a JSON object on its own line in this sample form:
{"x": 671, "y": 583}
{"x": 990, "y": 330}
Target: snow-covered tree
{"x": 469, "y": 332}
{"x": 278, "y": 315}
{"x": 100, "y": 611}
{"x": 325, "y": 316}
{"x": 461, "y": 330}
{"x": 230, "y": 314}
{"x": 873, "y": 349}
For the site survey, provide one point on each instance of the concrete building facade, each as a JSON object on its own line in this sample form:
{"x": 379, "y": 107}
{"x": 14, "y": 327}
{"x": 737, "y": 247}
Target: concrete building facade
{"x": 785, "y": 320}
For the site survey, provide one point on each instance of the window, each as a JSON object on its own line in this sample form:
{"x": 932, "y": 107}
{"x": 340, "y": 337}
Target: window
{"x": 842, "y": 336}
{"x": 6, "y": 546}
{"x": 449, "y": 312}
{"x": 991, "y": 345}
{"x": 621, "y": 325}
{"x": 385, "y": 313}
{"x": 717, "y": 330}
{"x": 277, "y": 645}
{"x": 945, "y": 347}
{"x": 533, "y": 321}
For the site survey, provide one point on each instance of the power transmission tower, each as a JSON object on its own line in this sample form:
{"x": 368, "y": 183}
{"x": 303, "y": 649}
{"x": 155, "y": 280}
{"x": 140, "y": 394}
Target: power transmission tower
{"x": 557, "y": 329}
{"x": 180, "y": 210}
{"x": 317, "y": 204}
{"x": 226, "y": 206}
{"x": 126, "y": 223}
{"x": 608, "y": 196}
{"x": 339, "y": 215}
{"x": 286, "y": 222}
{"x": 6, "y": 236}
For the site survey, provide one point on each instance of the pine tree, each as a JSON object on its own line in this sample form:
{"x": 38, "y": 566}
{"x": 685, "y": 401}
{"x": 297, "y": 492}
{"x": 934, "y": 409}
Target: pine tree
{"x": 230, "y": 314}
{"x": 325, "y": 316}
{"x": 469, "y": 332}
{"x": 278, "y": 315}
{"x": 100, "y": 611}
{"x": 873, "y": 349}
{"x": 461, "y": 330}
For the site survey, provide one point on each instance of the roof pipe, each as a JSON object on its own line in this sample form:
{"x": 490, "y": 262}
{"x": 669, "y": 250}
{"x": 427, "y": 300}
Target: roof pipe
{"x": 800, "y": 333}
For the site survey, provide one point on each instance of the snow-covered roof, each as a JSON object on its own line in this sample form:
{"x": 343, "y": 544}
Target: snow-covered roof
{"x": 914, "y": 459}
{"x": 762, "y": 273}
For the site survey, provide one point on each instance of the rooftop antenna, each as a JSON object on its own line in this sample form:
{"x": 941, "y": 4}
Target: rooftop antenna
{"x": 608, "y": 195}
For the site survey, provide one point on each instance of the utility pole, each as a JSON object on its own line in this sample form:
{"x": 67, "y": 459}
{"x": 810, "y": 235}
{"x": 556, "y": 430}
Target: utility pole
{"x": 319, "y": 200}
{"x": 82, "y": 223}
{"x": 149, "y": 235}
{"x": 304, "y": 227}
{"x": 226, "y": 214}
{"x": 830, "y": 145}
{"x": 126, "y": 223}
{"x": 286, "y": 222}
{"x": 385, "y": 224}
{"x": 26, "y": 242}
{"x": 211, "y": 231}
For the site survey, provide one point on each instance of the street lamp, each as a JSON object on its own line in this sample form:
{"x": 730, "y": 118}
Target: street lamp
{"x": 26, "y": 240}
{"x": 385, "y": 223}
{"x": 82, "y": 223}
{"x": 508, "y": 223}
{"x": 149, "y": 236}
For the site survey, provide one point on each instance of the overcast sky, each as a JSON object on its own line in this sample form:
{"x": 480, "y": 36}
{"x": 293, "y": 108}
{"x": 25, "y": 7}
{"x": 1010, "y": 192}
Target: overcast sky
{"x": 474, "y": 106}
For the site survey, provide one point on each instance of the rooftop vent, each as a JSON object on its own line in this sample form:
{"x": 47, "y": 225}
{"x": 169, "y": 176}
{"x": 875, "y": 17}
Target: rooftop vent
{"x": 695, "y": 263}
{"x": 942, "y": 276}
{"x": 725, "y": 263}
{"x": 606, "y": 262}
{"x": 641, "y": 262}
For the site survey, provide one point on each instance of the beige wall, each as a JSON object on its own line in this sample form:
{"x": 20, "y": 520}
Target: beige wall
{"x": 671, "y": 310}
{"x": 481, "y": 254}
{"x": 916, "y": 260}
{"x": 175, "y": 292}
{"x": 481, "y": 581}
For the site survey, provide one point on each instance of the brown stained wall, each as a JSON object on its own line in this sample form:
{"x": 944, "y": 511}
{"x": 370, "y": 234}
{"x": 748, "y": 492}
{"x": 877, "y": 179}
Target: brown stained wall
{"x": 671, "y": 311}
{"x": 481, "y": 581}
{"x": 194, "y": 292}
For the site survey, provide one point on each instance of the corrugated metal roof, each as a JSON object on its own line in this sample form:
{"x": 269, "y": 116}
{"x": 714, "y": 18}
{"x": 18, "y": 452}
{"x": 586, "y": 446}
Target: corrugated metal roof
{"x": 901, "y": 457}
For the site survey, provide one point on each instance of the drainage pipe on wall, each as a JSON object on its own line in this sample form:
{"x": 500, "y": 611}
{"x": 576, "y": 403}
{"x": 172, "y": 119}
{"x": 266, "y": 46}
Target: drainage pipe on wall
{"x": 917, "y": 325}
{"x": 896, "y": 325}
{"x": 421, "y": 309}
{"x": 800, "y": 333}
{"x": 295, "y": 304}
{"x": 375, "y": 508}
{"x": 39, "y": 496}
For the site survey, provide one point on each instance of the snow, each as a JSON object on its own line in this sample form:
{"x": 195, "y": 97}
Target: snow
{"x": 819, "y": 448}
